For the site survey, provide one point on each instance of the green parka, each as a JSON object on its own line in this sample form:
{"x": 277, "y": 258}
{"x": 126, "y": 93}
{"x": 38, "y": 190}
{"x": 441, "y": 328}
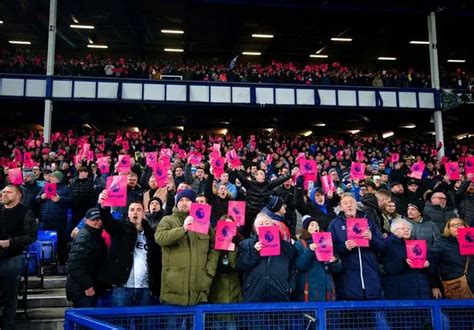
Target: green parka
{"x": 226, "y": 287}
{"x": 189, "y": 261}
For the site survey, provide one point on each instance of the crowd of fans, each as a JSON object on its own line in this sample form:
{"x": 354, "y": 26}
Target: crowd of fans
{"x": 235, "y": 71}
{"x": 147, "y": 251}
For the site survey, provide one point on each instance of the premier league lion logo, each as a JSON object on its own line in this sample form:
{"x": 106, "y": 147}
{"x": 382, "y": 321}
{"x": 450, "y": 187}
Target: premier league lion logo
{"x": 269, "y": 236}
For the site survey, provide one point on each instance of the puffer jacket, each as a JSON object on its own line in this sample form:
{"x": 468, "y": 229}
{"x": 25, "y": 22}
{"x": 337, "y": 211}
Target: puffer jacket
{"x": 82, "y": 192}
{"x": 55, "y": 212}
{"x": 360, "y": 268}
{"x": 267, "y": 279}
{"x": 438, "y": 215}
{"x": 189, "y": 261}
{"x": 399, "y": 280}
{"x": 426, "y": 230}
{"x": 465, "y": 203}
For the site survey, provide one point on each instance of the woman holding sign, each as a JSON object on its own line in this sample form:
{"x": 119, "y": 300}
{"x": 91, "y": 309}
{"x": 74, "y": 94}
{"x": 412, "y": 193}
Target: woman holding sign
{"x": 451, "y": 260}
{"x": 404, "y": 278}
{"x": 315, "y": 262}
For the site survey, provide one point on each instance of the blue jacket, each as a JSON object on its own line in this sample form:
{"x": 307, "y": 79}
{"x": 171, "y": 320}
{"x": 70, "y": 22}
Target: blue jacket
{"x": 266, "y": 279}
{"x": 400, "y": 281}
{"x": 360, "y": 268}
{"x": 55, "y": 212}
{"x": 318, "y": 274}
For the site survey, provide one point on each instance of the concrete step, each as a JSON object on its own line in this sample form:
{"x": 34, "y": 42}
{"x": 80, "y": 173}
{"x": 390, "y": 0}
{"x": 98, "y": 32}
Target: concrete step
{"x": 50, "y": 282}
{"x": 41, "y": 318}
{"x": 47, "y": 298}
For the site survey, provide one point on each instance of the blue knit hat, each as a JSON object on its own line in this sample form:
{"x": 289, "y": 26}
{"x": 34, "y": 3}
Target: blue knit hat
{"x": 275, "y": 204}
{"x": 188, "y": 193}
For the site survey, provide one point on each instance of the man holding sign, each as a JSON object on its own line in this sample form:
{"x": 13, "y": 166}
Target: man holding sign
{"x": 189, "y": 260}
{"x": 359, "y": 278}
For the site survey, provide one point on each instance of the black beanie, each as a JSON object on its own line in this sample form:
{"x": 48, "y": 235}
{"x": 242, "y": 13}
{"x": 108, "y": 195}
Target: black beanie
{"x": 155, "y": 199}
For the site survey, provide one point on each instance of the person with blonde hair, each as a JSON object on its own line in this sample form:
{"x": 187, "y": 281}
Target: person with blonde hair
{"x": 449, "y": 267}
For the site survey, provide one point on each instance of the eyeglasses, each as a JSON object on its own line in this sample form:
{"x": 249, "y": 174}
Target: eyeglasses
{"x": 456, "y": 225}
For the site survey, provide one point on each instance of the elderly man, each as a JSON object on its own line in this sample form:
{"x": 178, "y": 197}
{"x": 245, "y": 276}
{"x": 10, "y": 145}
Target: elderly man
{"x": 86, "y": 258}
{"x": 18, "y": 229}
{"x": 437, "y": 211}
{"x": 359, "y": 278}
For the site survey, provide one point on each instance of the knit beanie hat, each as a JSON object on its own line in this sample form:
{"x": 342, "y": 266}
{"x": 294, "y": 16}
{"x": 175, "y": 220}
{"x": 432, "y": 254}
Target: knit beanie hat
{"x": 419, "y": 205}
{"x": 307, "y": 219}
{"x": 155, "y": 199}
{"x": 58, "y": 175}
{"x": 275, "y": 204}
{"x": 188, "y": 193}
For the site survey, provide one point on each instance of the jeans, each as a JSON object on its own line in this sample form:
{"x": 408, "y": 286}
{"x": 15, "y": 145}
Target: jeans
{"x": 122, "y": 296}
{"x": 10, "y": 273}
{"x": 85, "y": 301}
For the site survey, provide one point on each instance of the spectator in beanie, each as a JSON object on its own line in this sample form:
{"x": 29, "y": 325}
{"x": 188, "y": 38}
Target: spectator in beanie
{"x": 219, "y": 200}
{"x": 30, "y": 190}
{"x": 276, "y": 210}
{"x": 318, "y": 206}
{"x": 53, "y": 215}
{"x": 422, "y": 229}
{"x": 154, "y": 191}
{"x": 86, "y": 258}
{"x": 287, "y": 193}
{"x": 155, "y": 212}
{"x": 133, "y": 260}
{"x": 437, "y": 211}
{"x": 413, "y": 191}
{"x": 359, "y": 278}
{"x": 266, "y": 279}
{"x": 398, "y": 196}
{"x": 82, "y": 193}
{"x": 400, "y": 281}
{"x": 188, "y": 257}
{"x": 315, "y": 282}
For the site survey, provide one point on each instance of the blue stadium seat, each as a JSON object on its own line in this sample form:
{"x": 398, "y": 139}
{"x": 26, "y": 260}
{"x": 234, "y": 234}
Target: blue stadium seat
{"x": 49, "y": 242}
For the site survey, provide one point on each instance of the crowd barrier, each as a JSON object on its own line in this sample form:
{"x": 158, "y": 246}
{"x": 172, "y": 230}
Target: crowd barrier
{"x": 407, "y": 315}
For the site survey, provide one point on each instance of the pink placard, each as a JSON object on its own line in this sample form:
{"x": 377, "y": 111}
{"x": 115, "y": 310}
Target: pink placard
{"x": 269, "y": 159}
{"x": 466, "y": 241}
{"x": 161, "y": 174}
{"x": 151, "y": 159}
{"x": 181, "y": 154}
{"x": 308, "y": 166}
{"x": 236, "y": 209}
{"x": 218, "y": 166}
{"x": 452, "y": 170}
{"x": 90, "y": 155}
{"x": 416, "y": 252}
{"x": 358, "y": 171}
{"x": 269, "y": 236}
{"x": 201, "y": 214}
{"x": 123, "y": 164}
{"x": 417, "y": 170}
{"x": 301, "y": 156}
{"x": 117, "y": 191}
{"x": 86, "y": 147}
{"x": 328, "y": 184}
{"x": 355, "y": 230}
{"x": 50, "y": 189}
{"x": 166, "y": 153}
{"x": 469, "y": 165}
{"x": 103, "y": 165}
{"x": 395, "y": 157}
{"x": 27, "y": 157}
{"x": 324, "y": 250}
{"x": 15, "y": 176}
{"x": 360, "y": 156}
{"x": 195, "y": 158}
{"x": 225, "y": 232}
{"x": 233, "y": 159}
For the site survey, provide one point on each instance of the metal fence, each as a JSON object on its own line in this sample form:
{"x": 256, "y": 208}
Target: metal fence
{"x": 406, "y": 315}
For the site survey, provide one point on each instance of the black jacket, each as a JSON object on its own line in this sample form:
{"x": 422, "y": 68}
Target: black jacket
{"x": 119, "y": 260}
{"x": 310, "y": 208}
{"x": 86, "y": 258}
{"x": 18, "y": 225}
{"x": 28, "y": 198}
{"x": 267, "y": 279}
{"x": 465, "y": 203}
{"x": 83, "y": 193}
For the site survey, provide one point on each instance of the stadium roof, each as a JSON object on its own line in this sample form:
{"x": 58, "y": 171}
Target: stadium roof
{"x": 222, "y": 29}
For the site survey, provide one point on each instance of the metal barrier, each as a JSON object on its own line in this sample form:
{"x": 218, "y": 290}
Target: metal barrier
{"x": 406, "y": 315}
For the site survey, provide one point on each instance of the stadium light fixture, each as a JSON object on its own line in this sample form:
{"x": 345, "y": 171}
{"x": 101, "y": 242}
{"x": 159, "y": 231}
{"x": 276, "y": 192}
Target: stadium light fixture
{"x": 417, "y": 42}
{"x": 74, "y": 19}
{"x": 98, "y": 46}
{"x": 90, "y": 40}
{"x": 408, "y": 126}
{"x": 307, "y": 133}
{"x": 341, "y": 39}
{"x": 320, "y": 124}
{"x": 456, "y": 61}
{"x": 383, "y": 58}
{"x": 82, "y": 27}
{"x": 354, "y": 131}
{"x": 387, "y": 135}
{"x": 260, "y": 35}
{"x": 251, "y": 53}
{"x": 174, "y": 50}
{"x": 1, "y": 22}
{"x": 18, "y": 42}
{"x": 318, "y": 56}
{"x": 172, "y": 31}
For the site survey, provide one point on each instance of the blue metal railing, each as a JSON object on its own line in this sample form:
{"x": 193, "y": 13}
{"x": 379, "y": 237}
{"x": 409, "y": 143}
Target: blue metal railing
{"x": 410, "y": 314}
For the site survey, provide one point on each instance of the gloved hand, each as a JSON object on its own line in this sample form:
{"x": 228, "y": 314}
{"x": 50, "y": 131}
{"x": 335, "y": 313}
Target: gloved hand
{"x": 300, "y": 181}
